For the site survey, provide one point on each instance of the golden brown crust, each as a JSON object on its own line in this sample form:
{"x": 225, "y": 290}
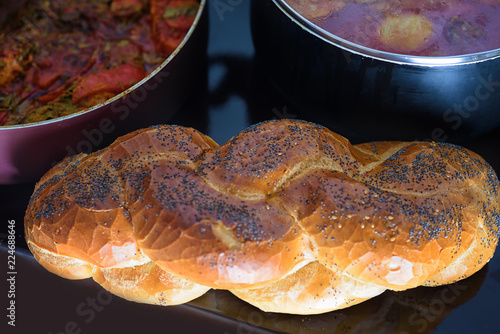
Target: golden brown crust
{"x": 279, "y": 199}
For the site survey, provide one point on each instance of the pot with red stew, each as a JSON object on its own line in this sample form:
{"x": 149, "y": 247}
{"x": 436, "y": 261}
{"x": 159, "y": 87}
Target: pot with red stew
{"x": 394, "y": 69}
{"x": 61, "y": 56}
{"x": 75, "y": 75}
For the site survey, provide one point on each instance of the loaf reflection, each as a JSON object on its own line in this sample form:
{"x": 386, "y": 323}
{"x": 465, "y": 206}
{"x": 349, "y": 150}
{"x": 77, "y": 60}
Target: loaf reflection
{"x": 417, "y": 310}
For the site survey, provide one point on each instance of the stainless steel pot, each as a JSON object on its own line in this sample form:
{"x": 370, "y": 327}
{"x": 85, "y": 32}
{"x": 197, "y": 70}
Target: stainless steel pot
{"x": 371, "y": 94}
{"x": 28, "y": 151}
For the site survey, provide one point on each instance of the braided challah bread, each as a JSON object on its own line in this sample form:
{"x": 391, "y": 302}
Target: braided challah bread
{"x": 287, "y": 215}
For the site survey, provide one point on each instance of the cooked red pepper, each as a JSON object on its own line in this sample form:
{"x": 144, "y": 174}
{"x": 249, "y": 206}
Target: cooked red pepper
{"x": 53, "y": 94}
{"x": 45, "y": 79}
{"x": 114, "y": 80}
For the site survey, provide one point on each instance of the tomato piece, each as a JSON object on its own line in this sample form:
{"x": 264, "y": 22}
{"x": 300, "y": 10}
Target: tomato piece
{"x": 180, "y": 14}
{"x": 168, "y": 39}
{"x": 113, "y": 80}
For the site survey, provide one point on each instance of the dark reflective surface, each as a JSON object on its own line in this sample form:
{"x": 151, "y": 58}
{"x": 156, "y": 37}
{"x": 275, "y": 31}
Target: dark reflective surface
{"x": 233, "y": 94}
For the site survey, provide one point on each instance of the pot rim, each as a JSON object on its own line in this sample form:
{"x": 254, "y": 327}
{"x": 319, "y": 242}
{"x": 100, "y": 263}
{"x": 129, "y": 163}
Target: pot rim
{"x": 159, "y": 68}
{"x": 385, "y": 56}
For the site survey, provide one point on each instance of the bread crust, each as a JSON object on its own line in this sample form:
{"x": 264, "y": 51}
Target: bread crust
{"x": 280, "y": 200}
